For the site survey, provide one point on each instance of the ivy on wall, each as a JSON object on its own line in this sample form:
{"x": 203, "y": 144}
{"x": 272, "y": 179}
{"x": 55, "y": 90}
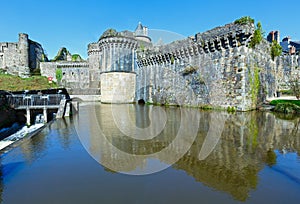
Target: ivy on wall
{"x": 254, "y": 84}
{"x": 58, "y": 74}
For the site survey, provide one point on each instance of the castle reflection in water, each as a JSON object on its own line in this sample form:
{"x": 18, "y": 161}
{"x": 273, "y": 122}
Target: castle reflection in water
{"x": 248, "y": 142}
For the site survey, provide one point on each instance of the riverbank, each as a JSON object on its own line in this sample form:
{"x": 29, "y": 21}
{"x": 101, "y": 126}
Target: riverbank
{"x": 287, "y": 105}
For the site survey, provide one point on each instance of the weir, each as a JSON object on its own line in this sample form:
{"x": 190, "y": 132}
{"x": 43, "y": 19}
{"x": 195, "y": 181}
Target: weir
{"x": 32, "y": 102}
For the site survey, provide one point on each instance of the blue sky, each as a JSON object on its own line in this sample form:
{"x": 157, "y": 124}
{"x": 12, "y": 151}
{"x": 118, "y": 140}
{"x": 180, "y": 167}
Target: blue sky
{"x": 74, "y": 24}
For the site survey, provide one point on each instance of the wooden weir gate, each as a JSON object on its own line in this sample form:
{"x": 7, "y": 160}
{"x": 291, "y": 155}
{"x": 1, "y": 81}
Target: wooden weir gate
{"x": 39, "y": 102}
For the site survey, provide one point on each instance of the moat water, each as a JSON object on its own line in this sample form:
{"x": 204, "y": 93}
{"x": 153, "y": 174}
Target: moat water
{"x": 149, "y": 154}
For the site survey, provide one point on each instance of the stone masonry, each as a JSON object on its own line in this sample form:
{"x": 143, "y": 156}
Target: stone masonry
{"x": 215, "y": 68}
{"x": 21, "y": 57}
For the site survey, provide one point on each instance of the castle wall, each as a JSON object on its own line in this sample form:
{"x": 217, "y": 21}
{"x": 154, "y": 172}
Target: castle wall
{"x": 77, "y": 78}
{"x": 212, "y": 70}
{"x": 217, "y": 69}
{"x": 18, "y": 58}
{"x": 48, "y": 69}
{"x": 118, "y": 87}
{"x": 10, "y": 60}
{"x": 94, "y": 58}
{"x": 287, "y": 67}
{"x": 113, "y": 54}
{"x": 10, "y": 55}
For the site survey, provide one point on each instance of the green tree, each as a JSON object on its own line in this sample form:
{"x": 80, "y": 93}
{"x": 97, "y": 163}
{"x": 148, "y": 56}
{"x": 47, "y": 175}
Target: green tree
{"x": 257, "y": 35}
{"x": 276, "y": 49}
{"x": 244, "y": 20}
{"x": 59, "y": 75}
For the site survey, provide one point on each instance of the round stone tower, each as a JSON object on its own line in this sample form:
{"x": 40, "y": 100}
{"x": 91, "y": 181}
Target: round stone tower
{"x": 117, "y": 67}
{"x": 115, "y": 56}
{"x": 23, "y": 46}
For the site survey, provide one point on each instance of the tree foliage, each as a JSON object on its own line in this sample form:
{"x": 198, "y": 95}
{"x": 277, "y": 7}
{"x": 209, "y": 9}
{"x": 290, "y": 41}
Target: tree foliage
{"x": 76, "y": 58}
{"x": 59, "y": 75}
{"x": 276, "y": 49}
{"x": 257, "y": 35}
{"x": 244, "y": 20}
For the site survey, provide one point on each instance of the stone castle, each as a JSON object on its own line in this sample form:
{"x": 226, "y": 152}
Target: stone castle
{"x": 21, "y": 57}
{"x": 216, "y": 68}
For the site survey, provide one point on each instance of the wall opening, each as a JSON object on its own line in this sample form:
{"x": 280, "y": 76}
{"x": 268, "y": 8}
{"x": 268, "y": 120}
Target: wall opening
{"x": 141, "y": 102}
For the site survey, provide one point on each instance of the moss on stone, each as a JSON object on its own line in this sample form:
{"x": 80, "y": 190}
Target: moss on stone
{"x": 231, "y": 109}
{"x": 189, "y": 70}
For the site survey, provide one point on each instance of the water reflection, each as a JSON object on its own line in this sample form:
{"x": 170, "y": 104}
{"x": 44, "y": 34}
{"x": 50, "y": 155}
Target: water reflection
{"x": 120, "y": 143}
{"x": 36, "y": 147}
{"x": 28, "y": 150}
{"x": 248, "y": 143}
{"x": 227, "y": 159}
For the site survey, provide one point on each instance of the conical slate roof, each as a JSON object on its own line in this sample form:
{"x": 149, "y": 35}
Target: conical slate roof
{"x": 139, "y": 31}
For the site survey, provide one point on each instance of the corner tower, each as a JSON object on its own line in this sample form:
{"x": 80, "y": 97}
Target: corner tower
{"x": 114, "y": 55}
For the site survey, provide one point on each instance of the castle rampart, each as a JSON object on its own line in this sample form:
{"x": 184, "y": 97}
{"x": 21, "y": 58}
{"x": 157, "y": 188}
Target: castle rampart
{"x": 21, "y": 57}
{"x": 215, "y": 68}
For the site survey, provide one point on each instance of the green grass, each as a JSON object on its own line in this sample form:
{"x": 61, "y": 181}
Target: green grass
{"x": 275, "y": 102}
{"x": 15, "y": 83}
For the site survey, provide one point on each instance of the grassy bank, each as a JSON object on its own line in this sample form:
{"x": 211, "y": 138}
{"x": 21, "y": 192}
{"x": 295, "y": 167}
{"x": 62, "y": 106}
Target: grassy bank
{"x": 286, "y": 106}
{"x": 15, "y": 83}
{"x": 275, "y": 102}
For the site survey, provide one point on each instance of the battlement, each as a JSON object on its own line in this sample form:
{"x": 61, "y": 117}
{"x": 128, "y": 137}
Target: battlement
{"x": 217, "y": 39}
{"x": 215, "y": 68}
{"x": 227, "y": 31}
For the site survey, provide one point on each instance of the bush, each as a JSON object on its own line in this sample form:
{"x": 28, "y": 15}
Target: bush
{"x": 58, "y": 75}
{"x": 276, "y": 49}
{"x": 287, "y": 108}
{"x": 76, "y": 57}
{"x": 244, "y": 20}
{"x": 257, "y": 36}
